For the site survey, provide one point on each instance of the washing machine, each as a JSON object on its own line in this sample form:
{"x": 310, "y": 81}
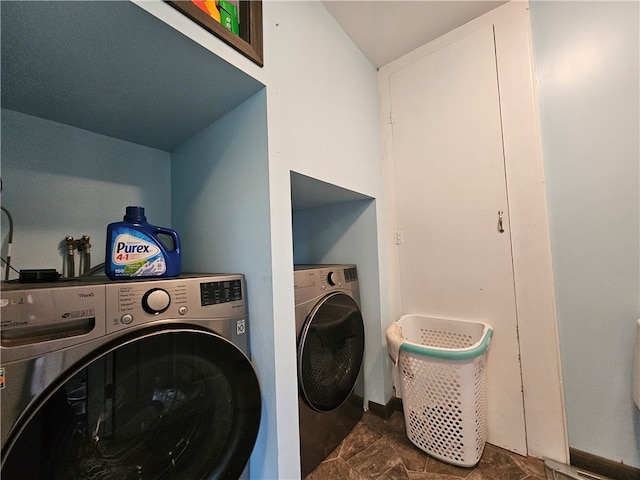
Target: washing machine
{"x": 146, "y": 379}
{"x": 330, "y": 341}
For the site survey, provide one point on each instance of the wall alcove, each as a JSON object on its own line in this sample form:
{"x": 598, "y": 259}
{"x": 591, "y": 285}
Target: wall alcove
{"x": 114, "y": 69}
{"x": 329, "y": 222}
{"x": 104, "y": 105}
{"x": 132, "y": 81}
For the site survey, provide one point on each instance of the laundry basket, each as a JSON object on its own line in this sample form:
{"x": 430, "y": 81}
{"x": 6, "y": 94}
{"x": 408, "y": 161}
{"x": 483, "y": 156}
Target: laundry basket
{"x": 443, "y": 384}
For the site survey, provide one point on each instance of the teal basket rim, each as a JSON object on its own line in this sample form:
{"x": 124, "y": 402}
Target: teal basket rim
{"x": 451, "y": 353}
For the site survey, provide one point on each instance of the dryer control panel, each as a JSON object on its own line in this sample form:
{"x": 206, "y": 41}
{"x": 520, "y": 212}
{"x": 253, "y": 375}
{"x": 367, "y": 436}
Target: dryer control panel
{"x": 313, "y": 280}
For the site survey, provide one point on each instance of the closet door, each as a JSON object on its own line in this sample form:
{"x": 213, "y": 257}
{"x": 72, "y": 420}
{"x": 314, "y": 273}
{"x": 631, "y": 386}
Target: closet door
{"x": 454, "y": 245}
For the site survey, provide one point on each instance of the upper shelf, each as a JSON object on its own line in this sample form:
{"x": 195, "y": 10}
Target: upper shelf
{"x": 308, "y": 192}
{"x": 248, "y": 42}
{"x": 114, "y": 69}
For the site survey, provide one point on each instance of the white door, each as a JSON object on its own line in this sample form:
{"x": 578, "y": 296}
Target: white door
{"x": 450, "y": 186}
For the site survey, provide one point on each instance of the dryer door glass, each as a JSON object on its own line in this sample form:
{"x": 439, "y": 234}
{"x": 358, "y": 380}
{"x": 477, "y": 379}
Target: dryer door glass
{"x": 330, "y": 352}
{"x": 166, "y": 404}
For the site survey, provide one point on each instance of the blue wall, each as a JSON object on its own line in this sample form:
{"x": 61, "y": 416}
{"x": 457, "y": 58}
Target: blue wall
{"x": 587, "y": 57}
{"x": 220, "y": 191}
{"x": 324, "y": 123}
{"x": 60, "y": 180}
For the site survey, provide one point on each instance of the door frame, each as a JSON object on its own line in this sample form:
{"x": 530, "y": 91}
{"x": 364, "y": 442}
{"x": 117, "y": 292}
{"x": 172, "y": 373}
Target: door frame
{"x": 545, "y": 417}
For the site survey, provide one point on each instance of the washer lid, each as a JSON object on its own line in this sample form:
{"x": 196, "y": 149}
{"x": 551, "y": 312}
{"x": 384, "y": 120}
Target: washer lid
{"x": 330, "y": 352}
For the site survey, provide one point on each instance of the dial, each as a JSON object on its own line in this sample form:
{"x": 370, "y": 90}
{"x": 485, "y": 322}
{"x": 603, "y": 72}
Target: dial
{"x": 156, "y": 301}
{"x": 331, "y": 278}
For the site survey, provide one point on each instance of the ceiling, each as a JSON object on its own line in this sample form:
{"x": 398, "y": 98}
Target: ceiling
{"x": 384, "y": 30}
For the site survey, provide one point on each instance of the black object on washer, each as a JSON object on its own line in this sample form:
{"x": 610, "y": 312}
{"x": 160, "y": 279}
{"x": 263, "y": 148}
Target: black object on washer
{"x": 330, "y": 336}
{"x": 102, "y": 383}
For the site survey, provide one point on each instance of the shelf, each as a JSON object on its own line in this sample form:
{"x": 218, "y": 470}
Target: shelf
{"x": 249, "y": 42}
{"x": 308, "y": 193}
{"x": 112, "y": 68}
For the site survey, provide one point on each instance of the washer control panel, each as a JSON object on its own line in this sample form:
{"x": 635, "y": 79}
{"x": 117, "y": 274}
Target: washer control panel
{"x": 134, "y": 303}
{"x": 217, "y": 292}
{"x": 46, "y": 317}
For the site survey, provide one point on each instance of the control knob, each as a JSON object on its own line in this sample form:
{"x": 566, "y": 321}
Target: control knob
{"x": 156, "y": 301}
{"x": 331, "y": 278}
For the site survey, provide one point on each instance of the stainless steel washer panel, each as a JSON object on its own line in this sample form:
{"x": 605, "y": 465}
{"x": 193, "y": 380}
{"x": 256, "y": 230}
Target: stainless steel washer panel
{"x": 42, "y": 318}
{"x": 42, "y": 325}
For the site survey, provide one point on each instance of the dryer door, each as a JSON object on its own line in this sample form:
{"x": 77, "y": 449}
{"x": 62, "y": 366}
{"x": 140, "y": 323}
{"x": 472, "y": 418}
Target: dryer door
{"x": 330, "y": 352}
{"x": 177, "y": 403}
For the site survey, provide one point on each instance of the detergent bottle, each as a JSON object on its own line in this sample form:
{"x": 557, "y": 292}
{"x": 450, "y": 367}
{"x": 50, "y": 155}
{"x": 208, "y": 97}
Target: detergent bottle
{"x": 136, "y": 249}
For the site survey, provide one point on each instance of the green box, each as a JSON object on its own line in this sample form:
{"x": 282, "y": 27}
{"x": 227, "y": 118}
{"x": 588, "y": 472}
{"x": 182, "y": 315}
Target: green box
{"x": 229, "y": 16}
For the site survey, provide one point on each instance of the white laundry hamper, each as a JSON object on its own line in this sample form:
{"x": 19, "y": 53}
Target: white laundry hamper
{"x": 443, "y": 384}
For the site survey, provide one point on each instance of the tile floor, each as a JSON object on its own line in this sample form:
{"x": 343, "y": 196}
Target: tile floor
{"x": 378, "y": 449}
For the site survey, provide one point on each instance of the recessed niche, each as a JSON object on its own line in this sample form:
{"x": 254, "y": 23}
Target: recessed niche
{"x": 308, "y": 192}
{"x": 331, "y": 224}
{"x": 113, "y": 68}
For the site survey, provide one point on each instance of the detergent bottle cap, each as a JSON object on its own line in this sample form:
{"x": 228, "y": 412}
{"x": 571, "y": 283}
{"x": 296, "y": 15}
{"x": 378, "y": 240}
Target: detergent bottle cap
{"x": 135, "y": 215}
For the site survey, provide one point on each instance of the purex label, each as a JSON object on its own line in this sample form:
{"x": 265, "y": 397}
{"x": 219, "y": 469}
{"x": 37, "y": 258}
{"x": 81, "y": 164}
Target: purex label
{"x": 135, "y": 254}
{"x": 129, "y": 249}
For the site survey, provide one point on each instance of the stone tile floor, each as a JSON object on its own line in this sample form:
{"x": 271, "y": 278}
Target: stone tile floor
{"x": 378, "y": 449}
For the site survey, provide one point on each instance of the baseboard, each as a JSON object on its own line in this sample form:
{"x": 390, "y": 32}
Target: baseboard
{"x": 602, "y": 466}
{"x": 386, "y": 410}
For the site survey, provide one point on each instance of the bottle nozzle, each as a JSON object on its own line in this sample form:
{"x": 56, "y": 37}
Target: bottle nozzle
{"x": 135, "y": 214}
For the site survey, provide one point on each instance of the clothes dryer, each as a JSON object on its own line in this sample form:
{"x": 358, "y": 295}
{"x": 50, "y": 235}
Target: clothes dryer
{"x": 330, "y": 341}
{"x": 145, "y": 379}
